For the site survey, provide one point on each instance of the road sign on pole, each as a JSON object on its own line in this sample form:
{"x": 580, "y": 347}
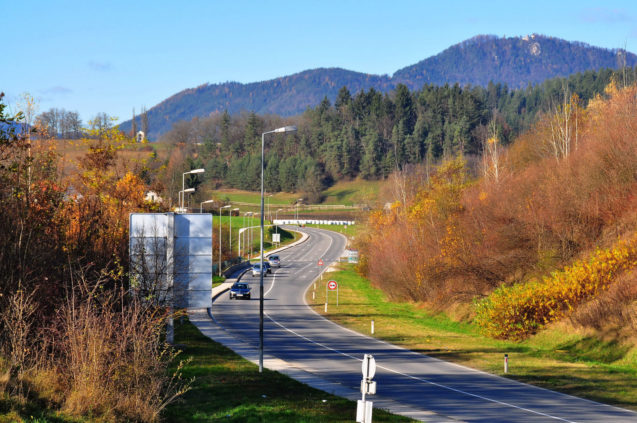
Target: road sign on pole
{"x": 320, "y": 262}
{"x": 332, "y": 286}
{"x": 368, "y": 386}
{"x": 369, "y": 366}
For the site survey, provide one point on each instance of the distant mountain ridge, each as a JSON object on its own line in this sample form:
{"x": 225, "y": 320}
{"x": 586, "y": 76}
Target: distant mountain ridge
{"x": 515, "y": 61}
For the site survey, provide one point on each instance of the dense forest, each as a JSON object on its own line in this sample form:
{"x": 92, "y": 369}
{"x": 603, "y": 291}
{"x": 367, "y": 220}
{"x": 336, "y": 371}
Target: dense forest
{"x": 370, "y": 134}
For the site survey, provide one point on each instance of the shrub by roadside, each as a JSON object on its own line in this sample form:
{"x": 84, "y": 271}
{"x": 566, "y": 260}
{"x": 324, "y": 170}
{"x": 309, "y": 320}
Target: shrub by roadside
{"x": 519, "y": 310}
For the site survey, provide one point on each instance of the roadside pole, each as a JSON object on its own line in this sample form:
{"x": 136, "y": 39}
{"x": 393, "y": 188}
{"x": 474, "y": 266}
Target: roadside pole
{"x": 368, "y": 386}
{"x": 331, "y": 286}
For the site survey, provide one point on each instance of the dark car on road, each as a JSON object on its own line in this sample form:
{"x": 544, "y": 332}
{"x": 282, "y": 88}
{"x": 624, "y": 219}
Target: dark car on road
{"x": 240, "y": 289}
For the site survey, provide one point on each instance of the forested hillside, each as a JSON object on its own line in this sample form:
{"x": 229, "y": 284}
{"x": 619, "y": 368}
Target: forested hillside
{"x": 547, "y": 231}
{"x": 370, "y": 134}
{"x": 515, "y": 62}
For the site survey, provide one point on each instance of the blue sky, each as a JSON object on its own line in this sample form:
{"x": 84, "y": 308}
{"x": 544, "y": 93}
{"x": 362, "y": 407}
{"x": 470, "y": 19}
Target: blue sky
{"x": 111, "y": 56}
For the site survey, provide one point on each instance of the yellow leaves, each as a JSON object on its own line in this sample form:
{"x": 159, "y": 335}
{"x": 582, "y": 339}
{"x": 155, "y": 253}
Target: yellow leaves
{"x": 130, "y": 188}
{"x": 519, "y": 310}
{"x": 441, "y": 199}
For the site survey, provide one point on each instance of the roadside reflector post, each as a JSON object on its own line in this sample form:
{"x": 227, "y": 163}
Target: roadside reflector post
{"x": 313, "y": 295}
{"x": 506, "y": 363}
{"x": 326, "y": 306}
{"x": 372, "y": 326}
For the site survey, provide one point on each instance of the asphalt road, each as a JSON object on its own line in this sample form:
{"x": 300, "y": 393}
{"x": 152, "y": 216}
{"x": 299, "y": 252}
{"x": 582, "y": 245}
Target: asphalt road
{"x": 297, "y": 335}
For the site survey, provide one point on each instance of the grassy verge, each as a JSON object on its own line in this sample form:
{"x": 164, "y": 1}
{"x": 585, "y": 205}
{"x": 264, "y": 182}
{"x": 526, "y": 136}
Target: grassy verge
{"x": 226, "y": 388}
{"x": 347, "y": 230}
{"x": 558, "y": 358}
{"x": 352, "y": 192}
{"x": 35, "y": 411}
{"x": 230, "y": 389}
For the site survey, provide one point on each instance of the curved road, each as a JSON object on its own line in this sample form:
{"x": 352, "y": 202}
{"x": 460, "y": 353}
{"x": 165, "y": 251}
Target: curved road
{"x": 411, "y": 381}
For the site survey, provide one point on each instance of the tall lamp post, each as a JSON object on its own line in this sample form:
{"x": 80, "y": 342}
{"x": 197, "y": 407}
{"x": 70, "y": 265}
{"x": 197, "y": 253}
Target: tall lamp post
{"x": 183, "y": 182}
{"x": 276, "y": 217}
{"x": 230, "y": 217}
{"x": 204, "y": 202}
{"x": 276, "y": 131}
{"x": 221, "y": 208}
{"x": 249, "y": 235}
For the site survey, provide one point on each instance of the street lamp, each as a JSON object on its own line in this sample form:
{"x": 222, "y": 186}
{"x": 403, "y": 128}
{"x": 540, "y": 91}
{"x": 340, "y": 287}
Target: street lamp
{"x": 230, "y": 217}
{"x": 221, "y": 208}
{"x": 276, "y": 217}
{"x": 183, "y": 181}
{"x": 249, "y": 234}
{"x": 182, "y": 194}
{"x": 204, "y": 202}
{"x": 276, "y": 131}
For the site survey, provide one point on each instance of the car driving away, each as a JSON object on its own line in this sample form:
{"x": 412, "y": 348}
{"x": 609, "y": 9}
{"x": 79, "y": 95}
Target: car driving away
{"x": 274, "y": 260}
{"x": 256, "y": 269}
{"x": 240, "y": 289}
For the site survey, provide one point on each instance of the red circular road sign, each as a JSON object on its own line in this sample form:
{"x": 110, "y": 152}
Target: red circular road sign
{"x": 332, "y": 285}
{"x": 320, "y": 263}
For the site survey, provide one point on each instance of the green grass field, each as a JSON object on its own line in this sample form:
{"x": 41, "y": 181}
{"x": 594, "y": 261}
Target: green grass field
{"x": 349, "y": 193}
{"x": 347, "y": 230}
{"x": 235, "y": 195}
{"x": 346, "y": 193}
{"x": 558, "y": 358}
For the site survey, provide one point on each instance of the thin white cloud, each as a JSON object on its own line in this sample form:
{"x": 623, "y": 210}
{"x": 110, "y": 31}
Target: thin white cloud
{"x": 57, "y": 90}
{"x": 605, "y": 15}
{"x": 99, "y": 66}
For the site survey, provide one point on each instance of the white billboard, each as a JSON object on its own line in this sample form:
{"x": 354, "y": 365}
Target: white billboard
{"x": 171, "y": 257}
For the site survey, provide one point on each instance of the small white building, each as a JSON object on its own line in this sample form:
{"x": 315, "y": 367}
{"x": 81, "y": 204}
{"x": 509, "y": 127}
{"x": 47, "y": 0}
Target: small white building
{"x": 153, "y": 197}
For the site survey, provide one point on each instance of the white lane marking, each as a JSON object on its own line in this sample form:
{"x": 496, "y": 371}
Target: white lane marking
{"x": 273, "y": 281}
{"x": 417, "y": 378}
